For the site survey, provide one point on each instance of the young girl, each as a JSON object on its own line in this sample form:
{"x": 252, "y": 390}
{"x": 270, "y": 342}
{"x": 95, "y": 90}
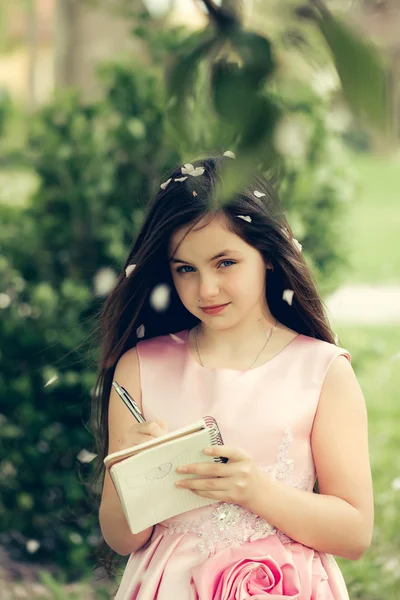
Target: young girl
{"x": 241, "y": 335}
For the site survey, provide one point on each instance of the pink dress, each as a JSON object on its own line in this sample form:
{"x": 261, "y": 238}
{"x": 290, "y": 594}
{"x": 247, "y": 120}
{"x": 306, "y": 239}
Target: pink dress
{"x": 223, "y": 551}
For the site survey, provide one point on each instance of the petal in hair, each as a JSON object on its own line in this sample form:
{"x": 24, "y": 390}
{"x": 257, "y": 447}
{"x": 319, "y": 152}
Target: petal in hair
{"x": 244, "y": 217}
{"x": 140, "y": 331}
{"x": 129, "y": 269}
{"x": 180, "y": 178}
{"x": 258, "y": 194}
{"x": 229, "y": 153}
{"x": 164, "y": 185}
{"x": 297, "y": 244}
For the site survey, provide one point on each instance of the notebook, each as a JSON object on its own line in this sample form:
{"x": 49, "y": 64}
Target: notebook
{"x": 144, "y": 474}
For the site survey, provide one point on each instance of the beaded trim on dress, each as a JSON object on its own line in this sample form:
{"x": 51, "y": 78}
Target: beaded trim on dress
{"x": 232, "y": 525}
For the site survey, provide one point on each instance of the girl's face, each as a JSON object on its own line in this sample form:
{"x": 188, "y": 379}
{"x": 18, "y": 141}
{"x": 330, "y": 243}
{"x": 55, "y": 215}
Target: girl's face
{"x": 214, "y": 266}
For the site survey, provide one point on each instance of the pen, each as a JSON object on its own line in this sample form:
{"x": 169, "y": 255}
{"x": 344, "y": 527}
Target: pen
{"x": 129, "y": 402}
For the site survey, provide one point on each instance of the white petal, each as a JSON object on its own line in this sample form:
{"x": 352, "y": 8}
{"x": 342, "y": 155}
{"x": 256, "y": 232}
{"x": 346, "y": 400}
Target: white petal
{"x": 5, "y": 300}
{"x": 85, "y": 456}
{"x": 336, "y": 339}
{"x": 32, "y": 546}
{"x": 244, "y": 217}
{"x": 297, "y": 244}
{"x": 52, "y": 380}
{"x": 187, "y": 168}
{"x": 104, "y": 281}
{"x": 180, "y": 179}
{"x": 258, "y": 194}
{"x": 229, "y": 153}
{"x": 159, "y": 298}
{"x": 129, "y": 269}
{"x": 164, "y": 185}
{"x": 140, "y": 331}
{"x": 197, "y": 171}
{"x": 176, "y": 338}
{"x": 288, "y": 296}
{"x": 396, "y": 484}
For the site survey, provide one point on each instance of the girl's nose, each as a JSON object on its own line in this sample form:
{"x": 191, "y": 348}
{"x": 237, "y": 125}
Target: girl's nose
{"x": 208, "y": 288}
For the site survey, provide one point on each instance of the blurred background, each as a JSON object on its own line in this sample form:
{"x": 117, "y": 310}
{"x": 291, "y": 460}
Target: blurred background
{"x": 84, "y": 142}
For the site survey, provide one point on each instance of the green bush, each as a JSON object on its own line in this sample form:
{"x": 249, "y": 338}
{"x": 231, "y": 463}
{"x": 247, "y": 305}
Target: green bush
{"x": 97, "y": 165}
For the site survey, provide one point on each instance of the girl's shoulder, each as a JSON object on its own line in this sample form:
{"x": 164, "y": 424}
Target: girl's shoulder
{"x": 322, "y": 351}
{"x": 161, "y": 344}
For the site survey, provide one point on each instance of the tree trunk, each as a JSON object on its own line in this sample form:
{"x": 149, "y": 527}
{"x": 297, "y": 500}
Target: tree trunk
{"x": 88, "y": 33}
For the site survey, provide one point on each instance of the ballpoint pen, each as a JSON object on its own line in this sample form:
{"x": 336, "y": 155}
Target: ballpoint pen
{"x": 129, "y": 402}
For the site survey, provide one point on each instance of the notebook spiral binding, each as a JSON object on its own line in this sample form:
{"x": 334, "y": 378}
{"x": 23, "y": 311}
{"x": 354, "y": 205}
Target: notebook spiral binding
{"x": 215, "y": 437}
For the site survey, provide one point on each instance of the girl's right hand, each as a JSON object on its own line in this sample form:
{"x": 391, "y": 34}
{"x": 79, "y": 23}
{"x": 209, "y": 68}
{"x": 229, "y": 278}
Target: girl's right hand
{"x": 143, "y": 432}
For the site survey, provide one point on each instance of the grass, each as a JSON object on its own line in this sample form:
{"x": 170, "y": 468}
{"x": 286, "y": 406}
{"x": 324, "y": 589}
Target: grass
{"x": 374, "y": 221}
{"x": 376, "y": 360}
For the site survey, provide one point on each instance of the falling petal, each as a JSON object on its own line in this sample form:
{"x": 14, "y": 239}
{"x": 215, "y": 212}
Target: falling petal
{"x": 32, "y": 546}
{"x": 288, "y": 296}
{"x": 176, "y": 338}
{"x": 197, "y": 171}
{"x": 244, "y": 217}
{"x": 5, "y": 300}
{"x": 85, "y": 456}
{"x": 187, "y": 168}
{"x": 229, "y": 154}
{"x": 180, "y": 179}
{"x": 52, "y": 380}
{"x": 140, "y": 331}
{"x": 258, "y": 194}
{"x": 396, "y": 484}
{"x": 164, "y": 185}
{"x": 129, "y": 269}
{"x": 104, "y": 281}
{"x": 297, "y": 244}
{"x": 159, "y": 298}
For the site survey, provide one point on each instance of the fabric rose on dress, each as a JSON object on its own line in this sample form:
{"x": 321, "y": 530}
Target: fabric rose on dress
{"x": 248, "y": 572}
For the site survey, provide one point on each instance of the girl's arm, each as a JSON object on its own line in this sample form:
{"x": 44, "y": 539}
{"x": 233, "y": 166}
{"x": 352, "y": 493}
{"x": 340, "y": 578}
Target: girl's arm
{"x": 113, "y": 524}
{"x": 340, "y": 519}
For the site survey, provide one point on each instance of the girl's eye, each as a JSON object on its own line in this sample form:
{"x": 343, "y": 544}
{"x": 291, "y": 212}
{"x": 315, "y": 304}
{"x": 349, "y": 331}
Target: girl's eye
{"x": 180, "y": 269}
{"x": 227, "y": 261}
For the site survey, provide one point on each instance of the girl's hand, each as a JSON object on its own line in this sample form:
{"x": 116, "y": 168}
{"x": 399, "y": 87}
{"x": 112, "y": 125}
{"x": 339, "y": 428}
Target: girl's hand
{"x": 236, "y": 482}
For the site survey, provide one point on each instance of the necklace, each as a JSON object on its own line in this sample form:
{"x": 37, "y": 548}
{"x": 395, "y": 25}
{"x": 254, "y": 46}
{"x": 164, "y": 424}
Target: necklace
{"x": 272, "y": 331}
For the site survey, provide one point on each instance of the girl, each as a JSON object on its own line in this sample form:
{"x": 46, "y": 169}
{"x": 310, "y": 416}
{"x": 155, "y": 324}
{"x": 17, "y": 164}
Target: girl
{"x": 244, "y": 338}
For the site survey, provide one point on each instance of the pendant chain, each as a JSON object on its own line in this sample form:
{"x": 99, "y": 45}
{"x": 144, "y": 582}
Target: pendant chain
{"x": 272, "y": 331}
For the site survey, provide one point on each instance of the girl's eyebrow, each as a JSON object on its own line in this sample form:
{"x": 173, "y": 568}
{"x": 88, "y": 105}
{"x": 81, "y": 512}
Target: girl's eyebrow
{"x": 219, "y": 255}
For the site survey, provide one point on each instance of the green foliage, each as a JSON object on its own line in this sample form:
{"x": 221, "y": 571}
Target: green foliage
{"x": 97, "y": 164}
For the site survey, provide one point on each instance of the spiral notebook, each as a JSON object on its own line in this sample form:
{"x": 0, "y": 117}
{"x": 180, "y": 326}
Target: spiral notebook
{"x": 144, "y": 475}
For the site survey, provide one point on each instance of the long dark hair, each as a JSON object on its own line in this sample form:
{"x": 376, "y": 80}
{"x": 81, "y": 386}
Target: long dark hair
{"x": 128, "y": 306}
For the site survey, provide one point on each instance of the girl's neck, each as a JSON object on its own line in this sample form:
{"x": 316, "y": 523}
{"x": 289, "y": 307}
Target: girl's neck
{"x": 236, "y": 342}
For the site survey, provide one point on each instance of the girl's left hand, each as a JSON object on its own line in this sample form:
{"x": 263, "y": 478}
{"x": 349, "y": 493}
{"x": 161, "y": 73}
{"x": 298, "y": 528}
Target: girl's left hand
{"x": 236, "y": 481}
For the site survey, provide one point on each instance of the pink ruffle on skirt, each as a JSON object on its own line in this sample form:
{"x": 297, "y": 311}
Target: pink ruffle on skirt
{"x": 171, "y": 567}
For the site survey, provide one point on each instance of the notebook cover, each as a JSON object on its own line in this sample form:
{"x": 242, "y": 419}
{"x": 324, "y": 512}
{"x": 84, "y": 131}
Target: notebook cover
{"x": 145, "y": 481}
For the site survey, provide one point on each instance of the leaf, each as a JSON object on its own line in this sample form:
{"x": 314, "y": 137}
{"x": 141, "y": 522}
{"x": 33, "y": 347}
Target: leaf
{"x": 181, "y": 78}
{"x": 360, "y": 68}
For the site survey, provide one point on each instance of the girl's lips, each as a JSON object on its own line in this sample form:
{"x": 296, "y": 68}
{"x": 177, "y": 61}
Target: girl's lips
{"x": 214, "y": 311}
